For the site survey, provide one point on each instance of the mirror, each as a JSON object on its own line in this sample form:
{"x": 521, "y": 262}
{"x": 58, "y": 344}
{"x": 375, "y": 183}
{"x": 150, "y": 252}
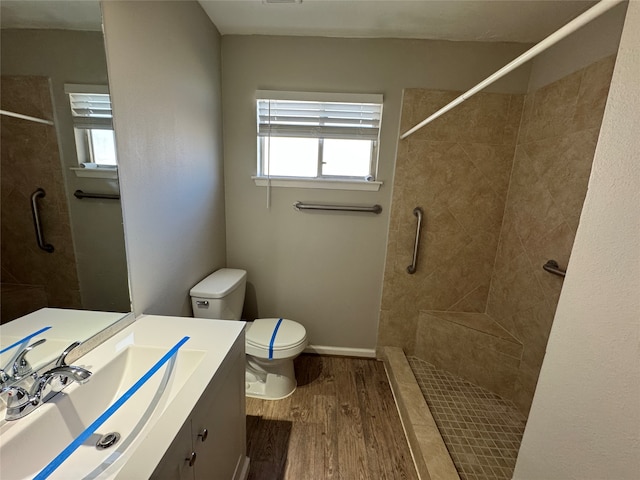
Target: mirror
{"x": 31, "y": 342}
{"x": 45, "y": 46}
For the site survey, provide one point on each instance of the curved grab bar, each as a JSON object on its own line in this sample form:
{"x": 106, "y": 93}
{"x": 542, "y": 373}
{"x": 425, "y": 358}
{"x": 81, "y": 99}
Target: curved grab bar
{"x": 411, "y": 269}
{"x": 39, "y": 193}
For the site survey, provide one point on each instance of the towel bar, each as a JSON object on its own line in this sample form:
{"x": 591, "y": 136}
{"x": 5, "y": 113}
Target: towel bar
{"x": 341, "y": 208}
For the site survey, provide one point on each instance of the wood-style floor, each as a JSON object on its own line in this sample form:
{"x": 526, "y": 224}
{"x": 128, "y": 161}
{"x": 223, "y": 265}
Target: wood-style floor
{"x": 340, "y": 423}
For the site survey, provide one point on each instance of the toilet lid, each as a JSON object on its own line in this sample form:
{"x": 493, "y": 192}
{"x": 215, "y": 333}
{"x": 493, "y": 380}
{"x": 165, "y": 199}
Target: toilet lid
{"x": 263, "y": 333}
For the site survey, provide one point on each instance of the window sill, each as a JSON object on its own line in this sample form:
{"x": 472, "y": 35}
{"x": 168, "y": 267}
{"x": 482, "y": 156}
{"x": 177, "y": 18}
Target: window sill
{"x": 111, "y": 173}
{"x": 296, "y": 182}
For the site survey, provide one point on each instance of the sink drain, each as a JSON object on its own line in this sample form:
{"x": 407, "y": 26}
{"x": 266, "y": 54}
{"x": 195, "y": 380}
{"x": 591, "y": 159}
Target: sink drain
{"x": 108, "y": 440}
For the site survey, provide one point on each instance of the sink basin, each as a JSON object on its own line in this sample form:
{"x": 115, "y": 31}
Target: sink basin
{"x": 117, "y": 365}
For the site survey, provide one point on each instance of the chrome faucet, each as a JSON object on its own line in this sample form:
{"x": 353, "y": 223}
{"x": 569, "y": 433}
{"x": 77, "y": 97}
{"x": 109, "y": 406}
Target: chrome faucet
{"x": 21, "y": 367}
{"x": 62, "y": 359}
{"x": 18, "y": 402}
{"x": 18, "y": 367}
{"x": 21, "y": 403}
{"x": 63, "y": 374}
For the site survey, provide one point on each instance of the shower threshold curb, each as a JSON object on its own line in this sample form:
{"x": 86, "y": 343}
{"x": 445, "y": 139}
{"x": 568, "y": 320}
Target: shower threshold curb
{"x": 430, "y": 455}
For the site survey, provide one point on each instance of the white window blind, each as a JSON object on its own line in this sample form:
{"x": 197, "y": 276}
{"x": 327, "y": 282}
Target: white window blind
{"x": 93, "y": 124}
{"x": 320, "y": 136}
{"x": 90, "y": 106}
{"x": 314, "y": 119}
{"x": 91, "y": 110}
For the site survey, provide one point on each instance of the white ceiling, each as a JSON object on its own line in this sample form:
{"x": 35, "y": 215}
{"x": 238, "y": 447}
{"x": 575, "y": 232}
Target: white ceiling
{"x": 65, "y": 15}
{"x": 473, "y": 20}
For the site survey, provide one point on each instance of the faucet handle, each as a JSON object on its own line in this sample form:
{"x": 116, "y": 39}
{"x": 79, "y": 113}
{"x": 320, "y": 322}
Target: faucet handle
{"x": 19, "y": 402}
{"x": 20, "y": 366}
{"x": 62, "y": 359}
{"x": 17, "y": 396}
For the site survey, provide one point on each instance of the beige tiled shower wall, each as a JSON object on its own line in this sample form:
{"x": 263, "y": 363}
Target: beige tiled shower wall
{"x": 33, "y": 278}
{"x": 556, "y": 145}
{"x": 457, "y": 170}
{"x": 501, "y": 179}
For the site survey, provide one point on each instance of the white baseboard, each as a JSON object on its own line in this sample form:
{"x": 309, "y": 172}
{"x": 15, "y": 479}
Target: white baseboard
{"x": 341, "y": 351}
{"x": 242, "y": 469}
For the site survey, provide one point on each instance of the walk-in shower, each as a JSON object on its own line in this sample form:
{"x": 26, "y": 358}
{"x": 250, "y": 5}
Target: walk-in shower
{"x": 32, "y": 179}
{"x": 501, "y": 180}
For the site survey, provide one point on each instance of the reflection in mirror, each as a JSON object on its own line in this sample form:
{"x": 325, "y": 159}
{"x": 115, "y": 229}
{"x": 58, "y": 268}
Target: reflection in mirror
{"x": 47, "y": 46}
{"x": 33, "y": 341}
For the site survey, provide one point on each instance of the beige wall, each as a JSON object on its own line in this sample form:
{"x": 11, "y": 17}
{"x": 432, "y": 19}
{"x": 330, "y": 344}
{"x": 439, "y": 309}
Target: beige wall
{"x": 585, "y": 418}
{"x": 325, "y": 270}
{"x": 594, "y": 41}
{"x": 164, "y": 67}
{"x": 457, "y": 170}
{"x": 556, "y": 144}
{"x": 78, "y": 57}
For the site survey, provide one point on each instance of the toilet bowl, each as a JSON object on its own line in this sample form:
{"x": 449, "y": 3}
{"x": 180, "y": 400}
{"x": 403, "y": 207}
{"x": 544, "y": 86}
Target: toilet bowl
{"x": 271, "y": 343}
{"x": 271, "y": 346}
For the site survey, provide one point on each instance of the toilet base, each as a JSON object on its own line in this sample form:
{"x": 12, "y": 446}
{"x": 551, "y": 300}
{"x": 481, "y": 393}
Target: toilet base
{"x": 269, "y": 379}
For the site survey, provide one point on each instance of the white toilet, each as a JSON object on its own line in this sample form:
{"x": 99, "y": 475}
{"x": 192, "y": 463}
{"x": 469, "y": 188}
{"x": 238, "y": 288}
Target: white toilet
{"x": 271, "y": 343}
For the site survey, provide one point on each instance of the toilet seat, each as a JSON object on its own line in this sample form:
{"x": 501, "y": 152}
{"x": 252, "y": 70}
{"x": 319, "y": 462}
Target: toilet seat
{"x": 275, "y": 338}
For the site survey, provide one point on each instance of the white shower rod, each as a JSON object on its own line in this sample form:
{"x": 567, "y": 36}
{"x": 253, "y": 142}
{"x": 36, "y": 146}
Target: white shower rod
{"x": 25, "y": 117}
{"x": 581, "y": 20}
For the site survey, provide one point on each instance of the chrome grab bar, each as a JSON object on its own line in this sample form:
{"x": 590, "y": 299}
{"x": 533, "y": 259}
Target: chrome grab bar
{"x": 411, "y": 269}
{"x": 552, "y": 267}
{"x": 341, "y": 208}
{"x": 39, "y": 193}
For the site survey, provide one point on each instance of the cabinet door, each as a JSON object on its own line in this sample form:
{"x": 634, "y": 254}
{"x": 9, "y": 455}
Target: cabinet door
{"x": 219, "y": 423}
{"x": 174, "y": 465}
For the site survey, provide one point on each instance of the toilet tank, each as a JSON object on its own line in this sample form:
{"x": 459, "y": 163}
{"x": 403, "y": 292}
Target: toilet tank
{"x": 220, "y": 295}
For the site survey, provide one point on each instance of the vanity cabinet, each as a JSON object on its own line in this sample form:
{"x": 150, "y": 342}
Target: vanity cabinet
{"x": 174, "y": 465}
{"x": 211, "y": 445}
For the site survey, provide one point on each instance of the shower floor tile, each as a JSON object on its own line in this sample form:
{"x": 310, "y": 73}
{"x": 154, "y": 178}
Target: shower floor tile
{"x": 481, "y": 430}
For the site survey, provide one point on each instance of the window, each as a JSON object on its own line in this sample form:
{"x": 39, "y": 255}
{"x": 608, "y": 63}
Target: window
{"x": 318, "y": 136}
{"x": 93, "y": 125}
